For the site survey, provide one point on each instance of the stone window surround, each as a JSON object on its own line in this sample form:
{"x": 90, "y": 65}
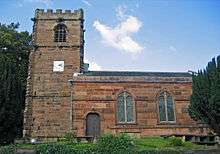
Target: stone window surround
{"x": 134, "y": 110}
{"x": 60, "y": 33}
{"x": 158, "y": 111}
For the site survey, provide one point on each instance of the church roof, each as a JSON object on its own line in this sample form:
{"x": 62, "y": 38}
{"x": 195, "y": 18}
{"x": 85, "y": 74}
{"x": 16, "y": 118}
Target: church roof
{"x": 128, "y": 73}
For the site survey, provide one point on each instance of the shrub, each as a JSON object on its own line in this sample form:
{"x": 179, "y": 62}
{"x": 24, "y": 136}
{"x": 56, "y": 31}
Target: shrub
{"x": 53, "y": 149}
{"x": 68, "y": 137}
{"x": 106, "y": 144}
{"x": 109, "y": 143}
{"x": 83, "y": 146}
{"x": 7, "y": 149}
{"x": 62, "y": 149}
{"x": 175, "y": 141}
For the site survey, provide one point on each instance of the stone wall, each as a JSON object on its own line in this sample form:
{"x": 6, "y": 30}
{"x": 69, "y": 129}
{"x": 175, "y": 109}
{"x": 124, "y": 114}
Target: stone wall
{"x": 99, "y": 95}
{"x": 53, "y": 115}
{"x": 44, "y": 23}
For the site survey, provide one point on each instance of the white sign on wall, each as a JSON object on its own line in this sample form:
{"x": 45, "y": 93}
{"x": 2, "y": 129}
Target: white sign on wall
{"x": 58, "y": 66}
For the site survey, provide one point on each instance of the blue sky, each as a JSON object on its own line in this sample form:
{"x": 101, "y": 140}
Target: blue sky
{"x": 137, "y": 35}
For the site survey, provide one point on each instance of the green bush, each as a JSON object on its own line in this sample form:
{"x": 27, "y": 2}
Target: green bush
{"x": 112, "y": 144}
{"x": 68, "y": 137}
{"x": 7, "y": 149}
{"x": 175, "y": 141}
{"x": 52, "y": 149}
{"x": 83, "y": 146}
{"x": 62, "y": 149}
{"x": 107, "y": 144}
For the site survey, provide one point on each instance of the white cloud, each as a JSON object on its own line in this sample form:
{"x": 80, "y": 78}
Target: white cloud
{"x": 120, "y": 11}
{"x": 119, "y": 37}
{"x": 87, "y": 2}
{"x": 93, "y": 66}
{"x": 172, "y": 48}
{"x": 46, "y": 2}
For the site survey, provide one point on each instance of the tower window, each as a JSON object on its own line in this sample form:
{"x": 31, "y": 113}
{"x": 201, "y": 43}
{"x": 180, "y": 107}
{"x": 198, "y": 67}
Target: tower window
{"x": 60, "y": 33}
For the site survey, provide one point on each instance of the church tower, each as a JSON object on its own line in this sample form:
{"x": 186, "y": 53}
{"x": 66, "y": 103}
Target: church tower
{"x": 58, "y": 50}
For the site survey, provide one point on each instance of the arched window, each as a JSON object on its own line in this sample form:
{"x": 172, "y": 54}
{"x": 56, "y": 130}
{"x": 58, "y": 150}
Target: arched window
{"x": 125, "y": 108}
{"x": 60, "y": 33}
{"x": 166, "y": 107}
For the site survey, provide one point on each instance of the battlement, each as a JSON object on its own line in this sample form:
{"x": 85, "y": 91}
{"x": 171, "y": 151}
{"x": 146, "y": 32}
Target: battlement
{"x": 58, "y": 13}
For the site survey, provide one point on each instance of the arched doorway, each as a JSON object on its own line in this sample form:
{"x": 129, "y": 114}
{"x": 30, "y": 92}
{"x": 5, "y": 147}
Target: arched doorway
{"x": 93, "y": 125}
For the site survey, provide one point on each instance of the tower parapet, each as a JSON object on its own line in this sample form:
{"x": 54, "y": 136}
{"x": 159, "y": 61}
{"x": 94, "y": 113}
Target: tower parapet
{"x": 45, "y": 22}
{"x": 59, "y": 13}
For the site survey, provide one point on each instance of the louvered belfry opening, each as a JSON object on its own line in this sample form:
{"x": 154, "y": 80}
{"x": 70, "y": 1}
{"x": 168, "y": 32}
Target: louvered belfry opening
{"x": 60, "y": 33}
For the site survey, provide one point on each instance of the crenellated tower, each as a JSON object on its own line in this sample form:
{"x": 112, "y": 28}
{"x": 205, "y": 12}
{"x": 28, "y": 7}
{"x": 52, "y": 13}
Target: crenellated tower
{"x": 58, "y": 51}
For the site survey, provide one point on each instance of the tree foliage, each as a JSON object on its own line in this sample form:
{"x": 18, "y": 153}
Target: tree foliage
{"x": 14, "y": 52}
{"x": 205, "y": 99}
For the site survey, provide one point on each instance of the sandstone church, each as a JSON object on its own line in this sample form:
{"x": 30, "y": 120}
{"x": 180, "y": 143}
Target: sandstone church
{"x": 64, "y": 96}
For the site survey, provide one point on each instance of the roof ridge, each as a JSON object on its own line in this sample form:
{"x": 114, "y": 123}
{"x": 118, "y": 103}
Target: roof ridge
{"x": 138, "y": 71}
{"x": 133, "y": 73}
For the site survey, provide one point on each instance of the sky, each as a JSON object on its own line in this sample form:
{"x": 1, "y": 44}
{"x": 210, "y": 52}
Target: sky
{"x": 136, "y": 35}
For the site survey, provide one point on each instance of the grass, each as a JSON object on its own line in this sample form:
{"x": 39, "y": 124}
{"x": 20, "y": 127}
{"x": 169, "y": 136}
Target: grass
{"x": 25, "y": 146}
{"x": 160, "y": 143}
{"x": 150, "y": 142}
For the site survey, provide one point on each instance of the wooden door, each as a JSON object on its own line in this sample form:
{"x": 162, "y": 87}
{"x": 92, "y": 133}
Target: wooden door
{"x": 93, "y": 125}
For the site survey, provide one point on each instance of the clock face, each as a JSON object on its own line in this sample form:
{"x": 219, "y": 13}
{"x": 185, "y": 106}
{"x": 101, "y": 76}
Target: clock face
{"x": 58, "y": 66}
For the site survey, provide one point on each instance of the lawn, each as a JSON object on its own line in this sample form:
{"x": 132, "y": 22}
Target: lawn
{"x": 159, "y": 143}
